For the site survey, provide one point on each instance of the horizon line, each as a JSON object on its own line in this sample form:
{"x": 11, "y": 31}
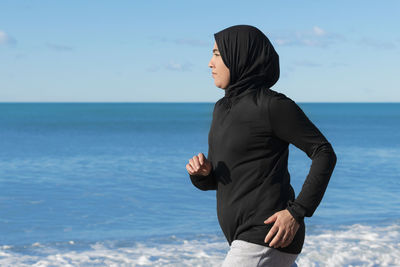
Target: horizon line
{"x": 182, "y": 102}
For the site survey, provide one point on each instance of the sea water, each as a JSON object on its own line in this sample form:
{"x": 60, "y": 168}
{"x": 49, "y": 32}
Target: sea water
{"x": 105, "y": 184}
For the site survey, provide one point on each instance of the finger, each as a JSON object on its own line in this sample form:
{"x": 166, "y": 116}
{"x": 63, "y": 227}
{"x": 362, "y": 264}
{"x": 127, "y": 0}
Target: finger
{"x": 271, "y": 219}
{"x": 189, "y": 169}
{"x": 286, "y": 240}
{"x": 277, "y": 239}
{"x": 196, "y": 162}
{"x": 283, "y": 241}
{"x": 270, "y": 234}
{"x": 287, "y": 243}
{"x": 193, "y": 164}
{"x": 201, "y": 158}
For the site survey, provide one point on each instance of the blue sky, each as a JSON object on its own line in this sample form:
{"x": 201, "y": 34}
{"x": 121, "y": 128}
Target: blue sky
{"x": 158, "y": 51}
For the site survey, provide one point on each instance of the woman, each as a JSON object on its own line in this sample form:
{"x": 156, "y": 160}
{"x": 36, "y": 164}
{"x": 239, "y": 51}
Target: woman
{"x": 247, "y": 161}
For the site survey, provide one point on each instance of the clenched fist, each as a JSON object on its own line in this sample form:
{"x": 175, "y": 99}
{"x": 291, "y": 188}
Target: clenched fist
{"x": 199, "y": 165}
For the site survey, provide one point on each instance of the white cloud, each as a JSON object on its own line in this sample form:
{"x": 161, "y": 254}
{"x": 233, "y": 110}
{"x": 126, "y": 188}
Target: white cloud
{"x": 6, "y": 39}
{"x": 175, "y": 66}
{"x": 318, "y": 31}
{"x": 282, "y": 41}
{"x": 3, "y": 37}
{"x": 171, "y": 66}
{"x": 315, "y": 37}
{"x": 377, "y": 44}
{"x": 59, "y": 47}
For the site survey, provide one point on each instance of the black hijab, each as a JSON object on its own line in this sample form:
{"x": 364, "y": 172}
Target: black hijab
{"x": 250, "y": 57}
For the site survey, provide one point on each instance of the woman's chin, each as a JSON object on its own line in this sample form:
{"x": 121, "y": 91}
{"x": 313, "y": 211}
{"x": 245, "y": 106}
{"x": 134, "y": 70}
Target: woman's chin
{"x": 220, "y": 86}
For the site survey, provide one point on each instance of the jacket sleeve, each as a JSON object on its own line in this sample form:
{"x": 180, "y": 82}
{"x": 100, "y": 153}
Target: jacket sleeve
{"x": 289, "y": 123}
{"x": 205, "y": 182}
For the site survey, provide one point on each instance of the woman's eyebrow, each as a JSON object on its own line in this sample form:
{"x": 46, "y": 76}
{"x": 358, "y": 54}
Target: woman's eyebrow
{"x": 215, "y": 50}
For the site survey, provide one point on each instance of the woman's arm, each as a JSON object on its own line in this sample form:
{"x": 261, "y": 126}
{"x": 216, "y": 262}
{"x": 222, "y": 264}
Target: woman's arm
{"x": 289, "y": 123}
{"x": 203, "y": 182}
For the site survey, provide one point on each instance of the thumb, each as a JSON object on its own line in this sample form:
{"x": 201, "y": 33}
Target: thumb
{"x": 271, "y": 219}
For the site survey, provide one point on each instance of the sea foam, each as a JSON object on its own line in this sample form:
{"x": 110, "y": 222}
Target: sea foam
{"x": 355, "y": 245}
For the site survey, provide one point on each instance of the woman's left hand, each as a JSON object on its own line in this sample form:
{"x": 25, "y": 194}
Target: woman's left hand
{"x": 285, "y": 228}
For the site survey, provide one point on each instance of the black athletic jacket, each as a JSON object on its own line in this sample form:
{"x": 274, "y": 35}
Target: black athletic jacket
{"x": 249, "y": 137}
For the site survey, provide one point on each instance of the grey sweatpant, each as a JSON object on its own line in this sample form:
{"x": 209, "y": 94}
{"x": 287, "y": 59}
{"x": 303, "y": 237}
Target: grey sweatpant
{"x": 246, "y": 254}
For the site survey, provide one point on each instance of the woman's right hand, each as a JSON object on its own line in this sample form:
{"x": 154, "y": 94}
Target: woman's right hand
{"x": 199, "y": 165}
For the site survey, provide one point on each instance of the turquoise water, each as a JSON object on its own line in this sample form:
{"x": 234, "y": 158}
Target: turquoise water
{"x": 105, "y": 183}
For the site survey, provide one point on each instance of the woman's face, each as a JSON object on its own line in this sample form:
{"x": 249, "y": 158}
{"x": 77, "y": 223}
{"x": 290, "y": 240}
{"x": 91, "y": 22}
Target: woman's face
{"x": 220, "y": 71}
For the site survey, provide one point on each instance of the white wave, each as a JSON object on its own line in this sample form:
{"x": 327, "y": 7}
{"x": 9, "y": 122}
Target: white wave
{"x": 355, "y": 245}
{"x": 181, "y": 253}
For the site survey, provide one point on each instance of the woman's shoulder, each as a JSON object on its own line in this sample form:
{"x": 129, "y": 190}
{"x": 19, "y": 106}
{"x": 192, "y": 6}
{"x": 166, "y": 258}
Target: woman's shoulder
{"x": 270, "y": 93}
{"x": 272, "y": 97}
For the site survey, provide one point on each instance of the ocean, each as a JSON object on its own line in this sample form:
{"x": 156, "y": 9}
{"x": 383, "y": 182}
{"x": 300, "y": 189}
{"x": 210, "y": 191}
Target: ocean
{"x": 105, "y": 184}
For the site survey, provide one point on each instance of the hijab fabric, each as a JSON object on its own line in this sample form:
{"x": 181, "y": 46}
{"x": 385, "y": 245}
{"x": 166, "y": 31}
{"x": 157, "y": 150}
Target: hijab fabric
{"x": 250, "y": 57}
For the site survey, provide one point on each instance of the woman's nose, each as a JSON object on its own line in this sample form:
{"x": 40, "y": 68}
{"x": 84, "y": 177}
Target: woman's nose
{"x": 210, "y": 64}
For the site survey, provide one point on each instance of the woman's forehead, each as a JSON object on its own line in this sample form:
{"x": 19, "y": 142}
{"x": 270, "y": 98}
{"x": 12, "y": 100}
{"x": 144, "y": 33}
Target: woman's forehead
{"x": 215, "y": 48}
